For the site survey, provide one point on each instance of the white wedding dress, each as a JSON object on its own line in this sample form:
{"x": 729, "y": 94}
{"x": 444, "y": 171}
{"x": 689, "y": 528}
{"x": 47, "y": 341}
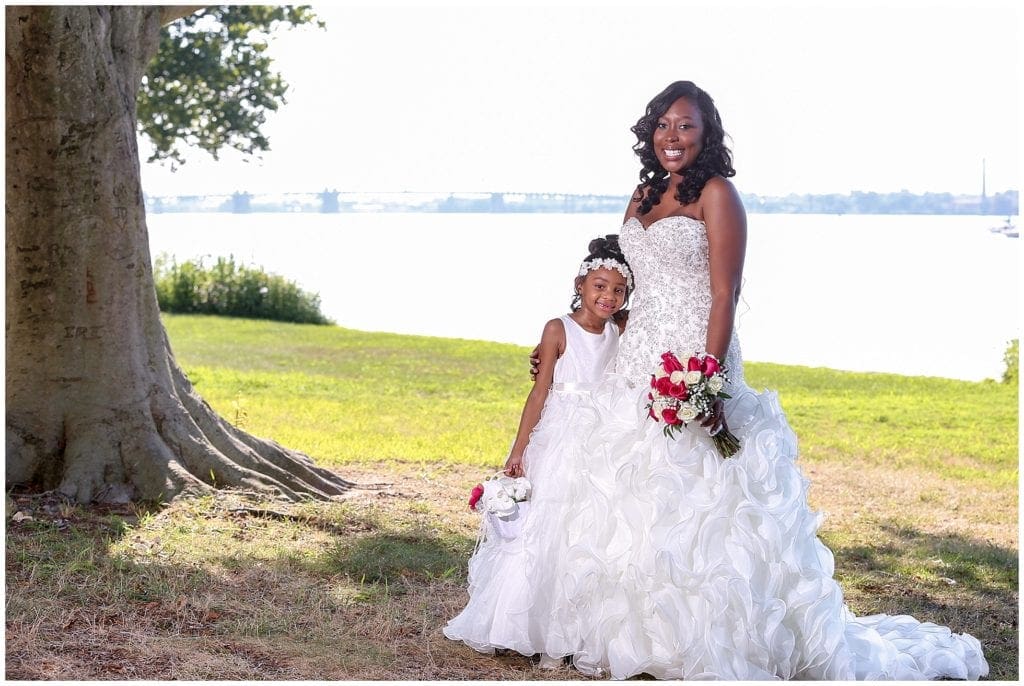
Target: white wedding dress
{"x": 516, "y": 594}
{"x": 683, "y": 565}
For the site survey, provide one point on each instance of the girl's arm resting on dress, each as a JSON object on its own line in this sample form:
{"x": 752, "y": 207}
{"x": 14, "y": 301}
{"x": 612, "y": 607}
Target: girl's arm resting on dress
{"x": 552, "y": 345}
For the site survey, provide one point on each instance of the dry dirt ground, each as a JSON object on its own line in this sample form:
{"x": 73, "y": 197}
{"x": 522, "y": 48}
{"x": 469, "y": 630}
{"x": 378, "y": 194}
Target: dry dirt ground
{"x": 225, "y": 589}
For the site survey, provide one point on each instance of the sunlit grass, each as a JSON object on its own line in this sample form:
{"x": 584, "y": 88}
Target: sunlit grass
{"x": 965, "y": 430}
{"x": 347, "y": 396}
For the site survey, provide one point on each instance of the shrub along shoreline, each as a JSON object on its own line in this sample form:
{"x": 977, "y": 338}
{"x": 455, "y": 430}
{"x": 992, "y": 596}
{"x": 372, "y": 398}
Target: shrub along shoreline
{"x": 232, "y": 290}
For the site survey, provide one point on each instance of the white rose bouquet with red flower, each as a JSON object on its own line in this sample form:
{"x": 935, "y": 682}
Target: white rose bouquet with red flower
{"x": 680, "y": 394}
{"x": 504, "y": 501}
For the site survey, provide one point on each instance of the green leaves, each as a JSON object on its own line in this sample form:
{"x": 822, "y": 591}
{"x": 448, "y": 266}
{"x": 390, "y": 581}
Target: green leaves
{"x": 212, "y": 84}
{"x": 232, "y": 290}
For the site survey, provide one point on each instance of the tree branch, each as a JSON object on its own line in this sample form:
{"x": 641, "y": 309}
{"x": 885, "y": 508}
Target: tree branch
{"x": 174, "y": 12}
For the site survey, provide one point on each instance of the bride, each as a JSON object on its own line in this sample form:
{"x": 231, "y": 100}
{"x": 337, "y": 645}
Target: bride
{"x": 680, "y": 563}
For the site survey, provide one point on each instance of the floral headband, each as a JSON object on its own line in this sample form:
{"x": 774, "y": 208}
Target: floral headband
{"x": 607, "y": 263}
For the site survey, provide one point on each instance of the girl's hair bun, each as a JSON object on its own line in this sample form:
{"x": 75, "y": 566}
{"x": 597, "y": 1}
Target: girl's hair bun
{"x": 607, "y": 246}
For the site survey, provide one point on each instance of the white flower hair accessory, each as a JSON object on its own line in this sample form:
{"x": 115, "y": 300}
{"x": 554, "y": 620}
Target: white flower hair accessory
{"x": 607, "y": 263}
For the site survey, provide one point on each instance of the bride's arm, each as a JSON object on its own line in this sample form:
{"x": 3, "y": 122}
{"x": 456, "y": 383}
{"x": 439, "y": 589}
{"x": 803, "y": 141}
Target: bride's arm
{"x": 726, "y": 223}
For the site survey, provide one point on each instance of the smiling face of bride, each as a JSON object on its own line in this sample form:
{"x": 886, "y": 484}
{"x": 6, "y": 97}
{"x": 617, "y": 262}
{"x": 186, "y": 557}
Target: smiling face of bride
{"x": 678, "y": 136}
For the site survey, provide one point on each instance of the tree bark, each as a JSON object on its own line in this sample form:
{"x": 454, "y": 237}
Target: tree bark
{"x": 97, "y": 407}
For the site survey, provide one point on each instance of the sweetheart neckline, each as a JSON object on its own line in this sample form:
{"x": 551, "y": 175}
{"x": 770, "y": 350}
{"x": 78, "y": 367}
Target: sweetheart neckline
{"x": 671, "y": 216}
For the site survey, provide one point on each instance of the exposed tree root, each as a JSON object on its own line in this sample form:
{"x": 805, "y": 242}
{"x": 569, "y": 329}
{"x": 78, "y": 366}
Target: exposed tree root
{"x": 239, "y": 459}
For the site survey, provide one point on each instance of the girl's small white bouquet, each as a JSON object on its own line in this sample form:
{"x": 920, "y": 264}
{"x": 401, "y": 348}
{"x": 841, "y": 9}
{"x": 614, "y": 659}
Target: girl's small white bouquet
{"x": 504, "y": 502}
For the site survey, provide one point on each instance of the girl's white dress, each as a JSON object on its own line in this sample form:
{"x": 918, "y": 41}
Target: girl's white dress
{"x": 677, "y": 563}
{"x": 515, "y": 586}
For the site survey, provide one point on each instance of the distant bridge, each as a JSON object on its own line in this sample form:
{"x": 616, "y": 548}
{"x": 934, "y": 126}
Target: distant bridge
{"x": 398, "y": 201}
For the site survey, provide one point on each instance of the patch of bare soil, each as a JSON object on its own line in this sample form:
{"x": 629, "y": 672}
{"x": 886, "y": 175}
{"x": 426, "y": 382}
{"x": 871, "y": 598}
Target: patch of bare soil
{"x": 282, "y": 602}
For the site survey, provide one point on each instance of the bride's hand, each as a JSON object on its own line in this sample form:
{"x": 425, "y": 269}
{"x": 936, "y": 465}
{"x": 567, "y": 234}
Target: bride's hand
{"x": 534, "y": 362}
{"x": 715, "y": 422}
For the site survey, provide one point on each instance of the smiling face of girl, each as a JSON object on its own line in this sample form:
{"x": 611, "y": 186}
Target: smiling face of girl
{"x": 602, "y": 294}
{"x": 678, "y": 136}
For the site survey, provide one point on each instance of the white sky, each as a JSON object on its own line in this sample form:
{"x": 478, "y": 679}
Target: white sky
{"x": 540, "y": 96}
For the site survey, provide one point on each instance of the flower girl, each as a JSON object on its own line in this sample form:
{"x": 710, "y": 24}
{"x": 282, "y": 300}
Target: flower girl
{"x": 515, "y": 584}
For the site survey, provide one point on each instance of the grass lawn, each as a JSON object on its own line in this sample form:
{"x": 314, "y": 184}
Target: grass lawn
{"x": 917, "y": 478}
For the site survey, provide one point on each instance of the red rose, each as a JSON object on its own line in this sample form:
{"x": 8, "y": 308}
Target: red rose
{"x": 693, "y": 365}
{"x": 710, "y": 366}
{"x": 671, "y": 363}
{"x": 669, "y": 415}
{"x": 663, "y": 385}
{"x": 678, "y": 390}
{"x": 653, "y": 379}
{"x": 475, "y": 496}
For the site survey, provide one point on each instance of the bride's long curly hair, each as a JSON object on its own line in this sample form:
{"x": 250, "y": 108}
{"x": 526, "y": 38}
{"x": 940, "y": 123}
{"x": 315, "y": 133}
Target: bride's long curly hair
{"x": 715, "y": 159}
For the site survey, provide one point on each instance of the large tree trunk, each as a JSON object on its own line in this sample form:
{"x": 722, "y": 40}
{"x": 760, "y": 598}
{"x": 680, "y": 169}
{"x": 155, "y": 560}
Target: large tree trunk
{"x": 97, "y": 407}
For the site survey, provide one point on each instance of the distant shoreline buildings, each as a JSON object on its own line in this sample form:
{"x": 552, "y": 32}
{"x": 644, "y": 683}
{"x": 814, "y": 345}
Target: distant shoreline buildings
{"x": 332, "y": 201}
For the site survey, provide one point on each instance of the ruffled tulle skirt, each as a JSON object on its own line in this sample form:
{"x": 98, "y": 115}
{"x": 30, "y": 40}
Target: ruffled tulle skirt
{"x": 517, "y": 591}
{"x": 648, "y": 554}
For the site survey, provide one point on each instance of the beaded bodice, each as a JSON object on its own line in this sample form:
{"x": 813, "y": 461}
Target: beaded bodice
{"x": 670, "y": 307}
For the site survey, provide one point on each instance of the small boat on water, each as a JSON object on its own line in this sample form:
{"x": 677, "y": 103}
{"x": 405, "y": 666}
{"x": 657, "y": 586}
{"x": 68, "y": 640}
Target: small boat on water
{"x": 1008, "y": 229}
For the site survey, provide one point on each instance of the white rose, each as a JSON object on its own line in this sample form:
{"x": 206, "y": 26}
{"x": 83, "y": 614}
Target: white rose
{"x": 677, "y": 377}
{"x": 494, "y": 492}
{"x": 693, "y": 378}
{"x": 521, "y": 489}
{"x": 659, "y": 405}
{"x": 660, "y": 373}
{"x": 501, "y": 504}
{"x": 715, "y": 384}
{"x": 687, "y": 412}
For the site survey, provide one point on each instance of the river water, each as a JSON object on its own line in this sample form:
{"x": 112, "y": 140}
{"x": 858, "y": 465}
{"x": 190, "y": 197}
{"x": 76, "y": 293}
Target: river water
{"x": 910, "y": 294}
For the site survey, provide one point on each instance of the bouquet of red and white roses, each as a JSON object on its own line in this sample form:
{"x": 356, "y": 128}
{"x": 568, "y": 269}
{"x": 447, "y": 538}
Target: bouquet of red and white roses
{"x": 681, "y": 393}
